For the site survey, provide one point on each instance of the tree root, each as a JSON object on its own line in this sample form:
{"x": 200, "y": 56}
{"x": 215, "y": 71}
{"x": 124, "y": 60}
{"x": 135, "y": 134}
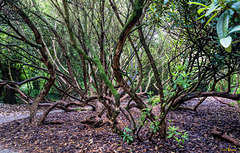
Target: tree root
{"x": 196, "y": 106}
{"x": 94, "y": 121}
{"x": 223, "y": 102}
{"x": 226, "y": 137}
{"x": 178, "y": 101}
{"x": 60, "y": 104}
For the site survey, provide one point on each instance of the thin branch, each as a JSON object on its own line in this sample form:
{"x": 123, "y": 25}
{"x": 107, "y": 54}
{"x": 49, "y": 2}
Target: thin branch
{"x": 23, "y": 82}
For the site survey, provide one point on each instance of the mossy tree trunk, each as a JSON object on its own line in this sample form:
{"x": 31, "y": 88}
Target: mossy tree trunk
{"x": 135, "y": 16}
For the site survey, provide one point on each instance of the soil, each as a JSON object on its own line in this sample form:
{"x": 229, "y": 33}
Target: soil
{"x": 15, "y": 110}
{"x": 74, "y": 136}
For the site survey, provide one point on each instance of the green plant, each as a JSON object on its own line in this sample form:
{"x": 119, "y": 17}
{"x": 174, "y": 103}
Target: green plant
{"x": 127, "y": 137}
{"x": 180, "y": 137}
{"x": 180, "y": 80}
{"x": 233, "y": 103}
{"x": 154, "y": 126}
{"x": 78, "y": 109}
{"x": 150, "y": 93}
{"x": 153, "y": 100}
{"x": 231, "y": 8}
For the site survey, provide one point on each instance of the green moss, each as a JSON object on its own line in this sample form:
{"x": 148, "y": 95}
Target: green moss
{"x": 137, "y": 12}
{"x": 106, "y": 80}
{"x": 101, "y": 70}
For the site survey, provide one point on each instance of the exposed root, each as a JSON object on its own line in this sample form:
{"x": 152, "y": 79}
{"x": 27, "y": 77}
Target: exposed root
{"x": 223, "y": 102}
{"x": 94, "y": 121}
{"x": 62, "y": 105}
{"x": 196, "y": 106}
{"x": 60, "y": 102}
{"x": 226, "y": 137}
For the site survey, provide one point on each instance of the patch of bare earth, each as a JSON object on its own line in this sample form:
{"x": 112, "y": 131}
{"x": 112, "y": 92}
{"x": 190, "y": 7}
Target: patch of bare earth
{"x": 73, "y": 136}
{"x": 15, "y": 110}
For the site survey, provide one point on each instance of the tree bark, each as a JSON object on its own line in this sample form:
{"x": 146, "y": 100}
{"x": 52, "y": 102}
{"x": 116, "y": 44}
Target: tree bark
{"x": 137, "y": 12}
{"x": 158, "y": 78}
{"x": 9, "y": 96}
{"x": 226, "y": 137}
{"x": 189, "y": 96}
{"x": 42, "y": 48}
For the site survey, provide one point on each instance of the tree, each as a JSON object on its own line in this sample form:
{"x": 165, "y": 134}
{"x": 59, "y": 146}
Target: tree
{"x": 8, "y": 7}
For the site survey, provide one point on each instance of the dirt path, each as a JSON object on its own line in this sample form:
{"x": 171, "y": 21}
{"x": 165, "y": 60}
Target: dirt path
{"x": 2, "y": 150}
{"x": 11, "y": 118}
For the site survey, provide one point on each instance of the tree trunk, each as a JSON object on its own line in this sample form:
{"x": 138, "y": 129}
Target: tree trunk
{"x": 158, "y": 78}
{"x": 9, "y": 96}
{"x": 44, "y": 57}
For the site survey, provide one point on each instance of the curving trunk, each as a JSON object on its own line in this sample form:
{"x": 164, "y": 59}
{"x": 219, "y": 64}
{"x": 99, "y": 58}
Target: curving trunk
{"x": 43, "y": 51}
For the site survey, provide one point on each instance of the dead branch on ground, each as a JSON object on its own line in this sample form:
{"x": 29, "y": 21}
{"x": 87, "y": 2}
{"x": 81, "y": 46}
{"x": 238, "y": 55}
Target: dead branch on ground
{"x": 226, "y": 137}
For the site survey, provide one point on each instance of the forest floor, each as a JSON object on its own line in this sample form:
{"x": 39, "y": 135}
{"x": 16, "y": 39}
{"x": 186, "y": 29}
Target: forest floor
{"x": 74, "y": 136}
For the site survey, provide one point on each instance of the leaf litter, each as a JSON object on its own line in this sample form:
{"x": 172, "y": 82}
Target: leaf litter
{"x": 73, "y": 136}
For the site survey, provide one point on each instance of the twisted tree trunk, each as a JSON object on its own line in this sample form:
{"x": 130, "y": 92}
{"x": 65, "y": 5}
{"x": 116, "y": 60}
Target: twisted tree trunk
{"x": 43, "y": 50}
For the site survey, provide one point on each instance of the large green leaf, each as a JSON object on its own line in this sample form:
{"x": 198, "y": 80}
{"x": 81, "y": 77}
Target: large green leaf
{"x": 165, "y": 2}
{"x": 211, "y": 9}
{"x": 236, "y": 6}
{"x": 229, "y": 49}
{"x": 211, "y": 18}
{"x": 196, "y": 3}
{"x": 235, "y": 29}
{"x": 226, "y": 42}
{"x": 201, "y": 10}
{"x": 222, "y": 25}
